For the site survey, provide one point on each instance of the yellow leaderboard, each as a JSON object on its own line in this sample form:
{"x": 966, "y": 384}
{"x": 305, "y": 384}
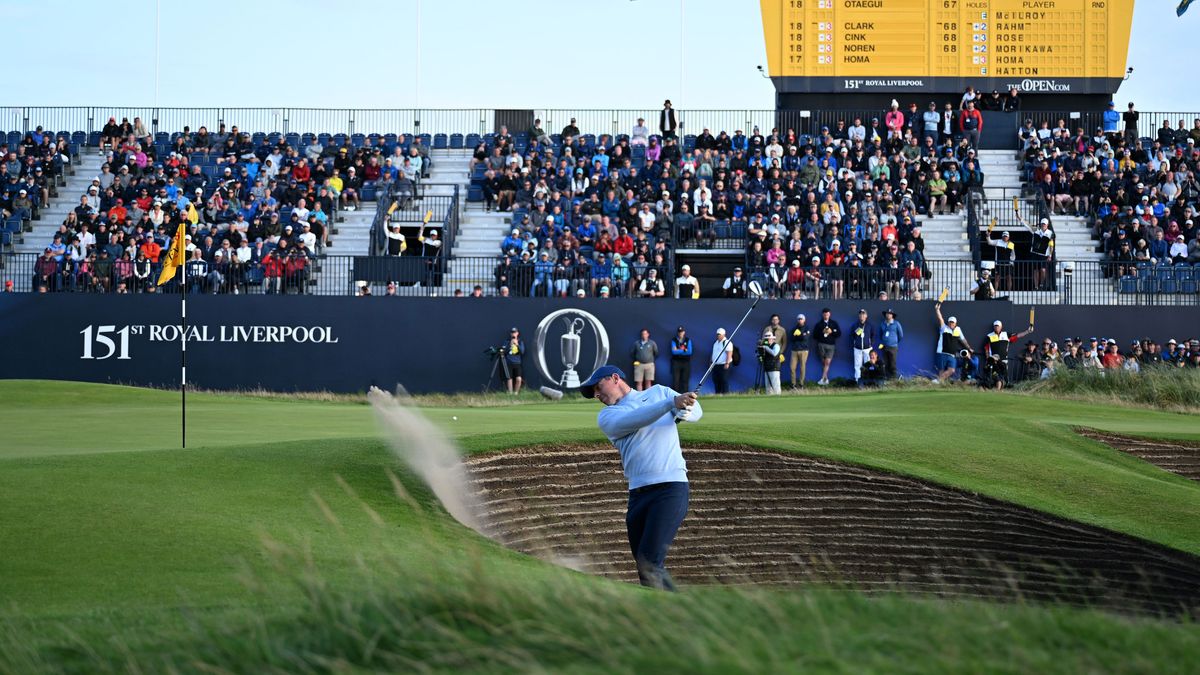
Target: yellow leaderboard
{"x": 1064, "y": 46}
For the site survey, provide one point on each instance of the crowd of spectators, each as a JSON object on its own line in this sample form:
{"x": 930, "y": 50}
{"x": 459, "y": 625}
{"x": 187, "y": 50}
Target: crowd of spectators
{"x": 1039, "y": 361}
{"x": 29, "y": 173}
{"x": 257, "y": 209}
{"x": 1138, "y": 192}
{"x": 806, "y": 208}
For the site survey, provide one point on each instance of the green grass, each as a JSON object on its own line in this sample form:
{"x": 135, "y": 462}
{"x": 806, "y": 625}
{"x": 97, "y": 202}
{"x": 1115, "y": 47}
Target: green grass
{"x": 278, "y": 534}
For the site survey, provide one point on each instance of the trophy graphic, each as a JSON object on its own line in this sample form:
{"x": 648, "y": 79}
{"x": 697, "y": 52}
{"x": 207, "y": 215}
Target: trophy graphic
{"x": 570, "y": 353}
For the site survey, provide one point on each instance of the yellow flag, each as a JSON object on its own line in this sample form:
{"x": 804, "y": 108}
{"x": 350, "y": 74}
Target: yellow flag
{"x": 193, "y": 216}
{"x": 992, "y": 225}
{"x": 174, "y": 257}
{"x": 945, "y": 294}
{"x": 1016, "y": 206}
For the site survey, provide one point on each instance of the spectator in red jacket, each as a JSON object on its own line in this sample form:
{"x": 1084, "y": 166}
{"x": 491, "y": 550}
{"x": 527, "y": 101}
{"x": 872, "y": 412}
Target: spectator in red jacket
{"x": 970, "y": 122}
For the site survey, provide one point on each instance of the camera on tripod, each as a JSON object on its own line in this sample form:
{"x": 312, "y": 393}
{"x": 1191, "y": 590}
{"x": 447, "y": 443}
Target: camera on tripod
{"x": 495, "y": 352}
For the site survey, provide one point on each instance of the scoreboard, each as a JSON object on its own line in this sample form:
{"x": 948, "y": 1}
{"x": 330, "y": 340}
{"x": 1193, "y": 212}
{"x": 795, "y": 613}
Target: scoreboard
{"x": 1050, "y": 46}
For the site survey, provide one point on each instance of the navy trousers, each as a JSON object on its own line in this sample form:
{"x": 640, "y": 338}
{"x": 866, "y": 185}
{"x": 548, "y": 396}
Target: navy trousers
{"x": 654, "y": 516}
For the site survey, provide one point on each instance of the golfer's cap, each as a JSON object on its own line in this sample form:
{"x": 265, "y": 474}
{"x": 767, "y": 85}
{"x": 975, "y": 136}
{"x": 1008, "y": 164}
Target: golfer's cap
{"x": 997, "y": 322}
{"x": 720, "y": 331}
{"x": 862, "y": 310}
{"x": 1112, "y": 341}
{"x": 1093, "y": 339}
{"x": 604, "y": 290}
{"x": 588, "y": 386}
{"x": 1170, "y": 342}
{"x": 687, "y": 267}
{"x": 680, "y": 329}
{"x": 953, "y": 319}
{"x": 800, "y": 317}
{"x": 1004, "y": 234}
{"x": 891, "y": 311}
{"x": 826, "y": 310}
{"x": 514, "y": 329}
{"x": 1045, "y": 221}
{"x": 580, "y": 293}
{"x": 796, "y": 262}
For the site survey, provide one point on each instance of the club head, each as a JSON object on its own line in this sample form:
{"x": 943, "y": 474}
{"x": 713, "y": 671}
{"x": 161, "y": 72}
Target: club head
{"x": 552, "y": 394}
{"x": 756, "y": 289}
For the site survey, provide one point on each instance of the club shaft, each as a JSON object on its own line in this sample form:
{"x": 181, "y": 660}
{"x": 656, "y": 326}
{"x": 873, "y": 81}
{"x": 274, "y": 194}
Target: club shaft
{"x": 725, "y": 345}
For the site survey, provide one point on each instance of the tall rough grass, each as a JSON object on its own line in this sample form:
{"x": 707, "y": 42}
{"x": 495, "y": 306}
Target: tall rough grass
{"x": 1165, "y": 388}
{"x": 458, "y": 606}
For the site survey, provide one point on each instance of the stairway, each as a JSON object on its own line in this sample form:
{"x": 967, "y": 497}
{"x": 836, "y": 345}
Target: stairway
{"x": 56, "y": 210}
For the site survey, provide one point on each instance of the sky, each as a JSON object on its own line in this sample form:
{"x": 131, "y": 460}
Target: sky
{"x": 602, "y": 54}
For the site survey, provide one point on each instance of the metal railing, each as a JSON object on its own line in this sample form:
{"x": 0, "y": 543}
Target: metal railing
{"x": 1056, "y": 282}
{"x": 482, "y": 121}
{"x": 410, "y": 213}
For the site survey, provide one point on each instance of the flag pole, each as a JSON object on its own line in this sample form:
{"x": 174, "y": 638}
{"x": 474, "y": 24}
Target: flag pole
{"x": 183, "y": 358}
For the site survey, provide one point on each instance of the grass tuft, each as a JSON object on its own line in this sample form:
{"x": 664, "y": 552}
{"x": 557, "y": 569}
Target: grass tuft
{"x": 1176, "y": 389}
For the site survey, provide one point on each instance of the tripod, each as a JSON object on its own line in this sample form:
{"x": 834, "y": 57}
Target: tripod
{"x": 760, "y": 375}
{"x": 498, "y": 362}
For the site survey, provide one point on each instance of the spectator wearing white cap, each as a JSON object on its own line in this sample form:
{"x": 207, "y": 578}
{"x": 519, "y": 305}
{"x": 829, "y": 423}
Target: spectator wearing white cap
{"x": 686, "y": 285}
{"x": 951, "y": 345}
{"x": 722, "y": 357}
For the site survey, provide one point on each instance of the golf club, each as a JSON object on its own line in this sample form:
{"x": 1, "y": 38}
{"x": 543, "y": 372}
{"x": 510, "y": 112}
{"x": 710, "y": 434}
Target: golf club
{"x": 755, "y": 292}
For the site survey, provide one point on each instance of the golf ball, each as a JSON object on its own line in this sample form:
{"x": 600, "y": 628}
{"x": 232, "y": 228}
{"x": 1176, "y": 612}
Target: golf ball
{"x": 455, "y": 418}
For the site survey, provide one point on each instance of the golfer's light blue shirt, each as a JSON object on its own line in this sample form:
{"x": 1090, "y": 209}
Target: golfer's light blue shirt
{"x": 642, "y": 429}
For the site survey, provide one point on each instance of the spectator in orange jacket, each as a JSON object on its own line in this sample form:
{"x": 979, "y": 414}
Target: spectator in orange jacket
{"x": 151, "y": 248}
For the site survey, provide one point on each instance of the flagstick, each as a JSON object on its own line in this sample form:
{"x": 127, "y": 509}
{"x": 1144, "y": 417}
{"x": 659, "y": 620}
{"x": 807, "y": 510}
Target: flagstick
{"x": 183, "y": 360}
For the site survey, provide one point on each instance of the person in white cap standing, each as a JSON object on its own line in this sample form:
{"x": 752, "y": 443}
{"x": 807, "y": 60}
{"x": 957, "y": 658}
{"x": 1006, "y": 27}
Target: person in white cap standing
{"x": 1042, "y": 250}
{"x": 722, "y": 356}
{"x": 951, "y": 343}
{"x": 686, "y": 285}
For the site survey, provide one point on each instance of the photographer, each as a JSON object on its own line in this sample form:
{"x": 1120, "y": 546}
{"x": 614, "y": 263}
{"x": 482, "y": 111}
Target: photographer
{"x": 983, "y": 288}
{"x": 768, "y": 356}
{"x": 995, "y": 351}
{"x": 953, "y": 350}
{"x": 514, "y": 350}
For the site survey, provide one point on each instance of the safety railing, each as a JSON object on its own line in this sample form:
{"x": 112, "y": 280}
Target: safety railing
{"x": 1025, "y": 281}
{"x": 481, "y": 121}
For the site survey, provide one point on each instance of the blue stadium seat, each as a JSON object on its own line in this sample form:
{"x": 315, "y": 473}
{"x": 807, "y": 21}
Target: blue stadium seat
{"x": 1188, "y": 286}
{"x": 474, "y": 193}
{"x": 1165, "y": 273}
{"x": 1184, "y": 272}
{"x": 1129, "y": 284}
{"x": 439, "y": 142}
{"x": 6, "y": 239}
{"x": 389, "y": 138}
{"x": 1148, "y": 285}
{"x": 14, "y": 137}
{"x": 456, "y": 141}
{"x": 473, "y": 140}
{"x": 357, "y": 140}
{"x": 1168, "y": 286}
{"x": 426, "y": 139}
{"x": 723, "y": 229}
{"x": 739, "y": 230}
{"x": 79, "y": 138}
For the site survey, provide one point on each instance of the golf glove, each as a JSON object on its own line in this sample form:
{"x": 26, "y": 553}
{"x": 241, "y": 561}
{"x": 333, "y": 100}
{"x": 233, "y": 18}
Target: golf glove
{"x": 683, "y": 414}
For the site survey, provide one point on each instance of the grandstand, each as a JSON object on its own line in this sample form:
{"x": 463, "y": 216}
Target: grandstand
{"x": 711, "y": 200}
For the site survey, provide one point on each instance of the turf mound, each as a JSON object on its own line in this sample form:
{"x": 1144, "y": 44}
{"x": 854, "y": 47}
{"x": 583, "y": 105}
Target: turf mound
{"x": 761, "y": 517}
{"x": 1180, "y": 458}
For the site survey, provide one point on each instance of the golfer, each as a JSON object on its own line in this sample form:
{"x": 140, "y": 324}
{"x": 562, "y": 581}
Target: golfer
{"x": 641, "y": 425}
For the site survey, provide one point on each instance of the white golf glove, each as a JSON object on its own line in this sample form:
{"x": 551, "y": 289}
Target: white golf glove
{"x": 683, "y": 414}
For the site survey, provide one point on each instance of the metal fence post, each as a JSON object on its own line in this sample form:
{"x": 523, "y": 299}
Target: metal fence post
{"x": 25, "y": 120}
{"x": 350, "y": 126}
{"x": 286, "y": 121}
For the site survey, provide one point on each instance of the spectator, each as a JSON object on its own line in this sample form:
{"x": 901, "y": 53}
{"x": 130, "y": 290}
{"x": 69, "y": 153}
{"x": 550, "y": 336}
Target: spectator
{"x": 681, "y": 360}
{"x": 862, "y": 341}
{"x": 769, "y": 357}
{"x": 825, "y": 335}
{"x": 667, "y": 124}
{"x": 643, "y": 354}
{"x": 722, "y": 360}
{"x": 891, "y": 334}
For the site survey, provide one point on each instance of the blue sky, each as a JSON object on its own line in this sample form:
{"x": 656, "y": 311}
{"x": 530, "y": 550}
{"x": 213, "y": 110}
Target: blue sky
{"x": 510, "y": 54}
